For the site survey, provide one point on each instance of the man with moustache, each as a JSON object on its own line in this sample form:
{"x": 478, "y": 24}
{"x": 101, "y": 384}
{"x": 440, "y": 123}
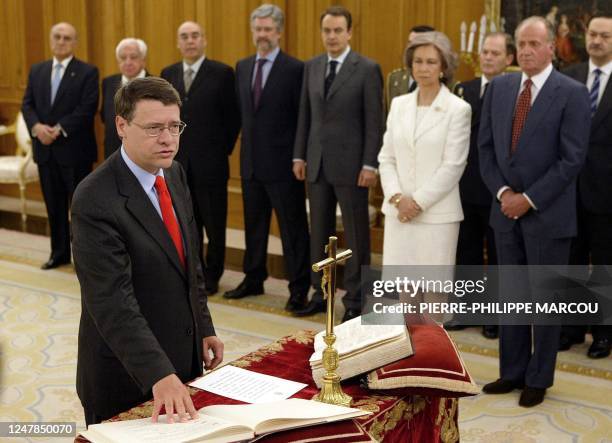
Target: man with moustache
{"x": 145, "y": 326}
{"x": 336, "y": 147}
{"x": 496, "y": 55}
{"x": 210, "y": 110}
{"x": 533, "y": 138}
{"x": 269, "y": 85}
{"x": 594, "y": 238}
{"x": 59, "y": 106}
{"x": 131, "y": 56}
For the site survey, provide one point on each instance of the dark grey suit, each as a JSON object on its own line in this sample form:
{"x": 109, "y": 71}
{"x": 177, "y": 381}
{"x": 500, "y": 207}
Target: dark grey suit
{"x": 143, "y": 315}
{"x": 336, "y": 137}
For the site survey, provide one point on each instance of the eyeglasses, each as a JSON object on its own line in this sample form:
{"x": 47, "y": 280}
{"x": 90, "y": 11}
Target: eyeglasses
{"x": 175, "y": 129}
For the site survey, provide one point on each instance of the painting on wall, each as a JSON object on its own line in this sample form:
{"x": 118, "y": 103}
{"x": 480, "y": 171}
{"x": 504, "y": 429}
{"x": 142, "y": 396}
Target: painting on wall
{"x": 568, "y": 17}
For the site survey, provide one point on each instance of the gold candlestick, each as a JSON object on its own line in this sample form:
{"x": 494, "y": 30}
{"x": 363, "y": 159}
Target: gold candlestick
{"x": 331, "y": 391}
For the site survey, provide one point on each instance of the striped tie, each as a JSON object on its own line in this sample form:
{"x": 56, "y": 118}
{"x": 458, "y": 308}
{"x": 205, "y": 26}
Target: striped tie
{"x": 594, "y": 94}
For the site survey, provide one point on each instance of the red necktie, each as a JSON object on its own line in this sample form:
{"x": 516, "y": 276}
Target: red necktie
{"x": 165, "y": 203}
{"x": 520, "y": 114}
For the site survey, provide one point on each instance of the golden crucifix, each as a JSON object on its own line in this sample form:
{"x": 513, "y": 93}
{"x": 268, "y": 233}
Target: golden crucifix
{"x": 331, "y": 391}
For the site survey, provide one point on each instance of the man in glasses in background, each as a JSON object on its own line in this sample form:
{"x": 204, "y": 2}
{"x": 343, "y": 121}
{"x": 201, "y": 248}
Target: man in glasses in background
{"x": 145, "y": 326}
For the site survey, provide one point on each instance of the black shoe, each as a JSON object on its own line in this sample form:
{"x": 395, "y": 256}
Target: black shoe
{"x": 314, "y": 306}
{"x": 245, "y": 289}
{"x": 54, "y": 263}
{"x": 501, "y": 386}
{"x": 490, "y": 331}
{"x": 531, "y": 397}
{"x": 211, "y": 289}
{"x": 296, "y": 302}
{"x": 566, "y": 341}
{"x": 350, "y": 314}
{"x": 600, "y": 348}
{"x": 454, "y": 325}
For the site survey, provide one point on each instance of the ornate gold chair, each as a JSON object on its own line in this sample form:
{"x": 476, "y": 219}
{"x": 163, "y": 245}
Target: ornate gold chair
{"x": 19, "y": 169}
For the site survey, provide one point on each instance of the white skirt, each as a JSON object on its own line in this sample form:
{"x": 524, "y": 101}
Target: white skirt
{"x": 419, "y": 243}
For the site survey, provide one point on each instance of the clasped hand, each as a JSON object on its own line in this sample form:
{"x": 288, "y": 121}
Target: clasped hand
{"x": 45, "y": 133}
{"x": 513, "y": 204}
{"x": 407, "y": 209}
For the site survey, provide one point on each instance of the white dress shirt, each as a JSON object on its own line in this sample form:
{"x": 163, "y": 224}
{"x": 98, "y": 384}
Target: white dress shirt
{"x": 64, "y": 64}
{"x": 124, "y": 79}
{"x": 195, "y": 67}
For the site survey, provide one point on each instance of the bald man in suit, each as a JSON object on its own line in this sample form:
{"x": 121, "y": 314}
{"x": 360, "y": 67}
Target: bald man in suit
{"x": 210, "y": 109}
{"x": 59, "y": 106}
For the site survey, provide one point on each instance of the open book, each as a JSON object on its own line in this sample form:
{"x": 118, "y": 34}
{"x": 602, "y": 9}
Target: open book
{"x": 361, "y": 348}
{"x": 223, "y": 423}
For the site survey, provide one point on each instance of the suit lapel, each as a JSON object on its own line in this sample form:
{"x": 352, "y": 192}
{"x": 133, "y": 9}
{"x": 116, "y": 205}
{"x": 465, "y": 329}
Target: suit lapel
{"x": 504, "y": 113}
{"x": 139, "y": 205}
{"x": 410, "y": 115}
{"x": 433, "y": 115}
{"x": 179, "y": 80}
{"x": 180, "y": 210}
{"x": 245, "y": 85}
{"x": 275, "y": 73}
{"x": 346, "y": 70}
{"x": 69, "y": 76}
{"x": 539, "y": 108}
{"x": 319, "y": 74}
{"x": 46, "y": 84}
{"x": 199, "y": 78}
{"x": 604, "y": 108}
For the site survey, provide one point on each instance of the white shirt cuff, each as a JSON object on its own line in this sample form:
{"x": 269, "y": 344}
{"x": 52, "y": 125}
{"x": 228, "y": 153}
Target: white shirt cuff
{"x": 530, "y": 202}
{"x": 501, "y": 191}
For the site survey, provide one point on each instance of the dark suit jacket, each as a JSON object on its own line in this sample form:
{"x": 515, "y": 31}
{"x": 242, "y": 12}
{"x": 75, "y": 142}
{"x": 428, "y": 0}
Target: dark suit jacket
{"x": 268, "y": 132}
{"x": 549, "y": 155}
{"x": 471, "y": 187}
{"x": 210, "y": 110}
{"x": 595, "y": 180}
{"x": 110, "y": 86}
{"x": 342, "y": 133}
{"x": 143, "y": 316}
{"x": 74, "y": 109}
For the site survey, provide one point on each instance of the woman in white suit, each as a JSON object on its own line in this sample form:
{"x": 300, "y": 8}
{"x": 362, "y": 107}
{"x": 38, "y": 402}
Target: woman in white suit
{"x": 423, "y": 155}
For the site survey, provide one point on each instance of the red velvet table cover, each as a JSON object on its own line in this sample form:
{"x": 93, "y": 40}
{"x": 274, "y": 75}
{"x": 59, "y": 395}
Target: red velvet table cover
{"x": 414, "y": 419}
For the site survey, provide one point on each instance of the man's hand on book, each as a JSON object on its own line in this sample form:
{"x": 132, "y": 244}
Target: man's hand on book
{"x": 214, "y": 344}
{"x": 172, "y": 393}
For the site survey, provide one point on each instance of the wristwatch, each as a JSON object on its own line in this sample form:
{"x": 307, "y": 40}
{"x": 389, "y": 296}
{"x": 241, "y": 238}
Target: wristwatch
{"x": 395, "y": 199}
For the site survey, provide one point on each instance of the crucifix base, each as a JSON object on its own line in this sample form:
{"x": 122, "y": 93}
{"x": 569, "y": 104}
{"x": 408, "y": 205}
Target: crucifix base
{"x": 331, "y": 391}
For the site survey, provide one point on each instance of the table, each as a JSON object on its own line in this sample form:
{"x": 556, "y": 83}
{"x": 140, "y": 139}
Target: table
{"x": 413, "y": 419}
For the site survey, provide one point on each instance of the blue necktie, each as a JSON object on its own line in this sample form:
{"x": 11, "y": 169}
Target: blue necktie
{"x": 55, "y": 81}
{"x": 594, "y": 94}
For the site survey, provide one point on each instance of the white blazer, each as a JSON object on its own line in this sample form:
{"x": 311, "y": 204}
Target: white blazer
{"x": 426, "y": 162}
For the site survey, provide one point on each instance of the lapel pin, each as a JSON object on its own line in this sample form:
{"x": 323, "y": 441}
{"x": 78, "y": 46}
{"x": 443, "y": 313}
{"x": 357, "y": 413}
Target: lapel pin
{"x": 72, "y": 74}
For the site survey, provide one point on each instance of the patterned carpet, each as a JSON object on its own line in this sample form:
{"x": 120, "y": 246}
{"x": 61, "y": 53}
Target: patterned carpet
{"x": 39, "y": 312}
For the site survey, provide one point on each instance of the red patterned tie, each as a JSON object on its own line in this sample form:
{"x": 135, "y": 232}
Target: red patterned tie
{"x": 165, "y": 203}
{"x": 520, "y": 114}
